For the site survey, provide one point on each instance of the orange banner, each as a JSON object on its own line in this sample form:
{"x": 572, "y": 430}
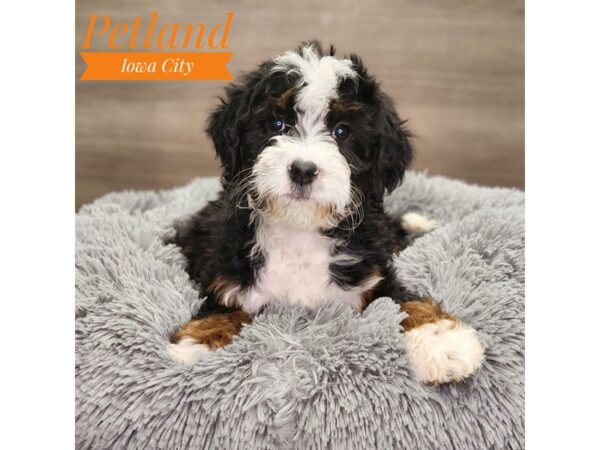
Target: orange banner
{"x": 156, "y": 66}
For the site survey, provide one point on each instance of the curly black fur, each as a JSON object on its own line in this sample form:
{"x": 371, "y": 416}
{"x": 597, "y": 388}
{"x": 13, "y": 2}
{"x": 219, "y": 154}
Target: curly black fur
{"x": 218, "y": 239}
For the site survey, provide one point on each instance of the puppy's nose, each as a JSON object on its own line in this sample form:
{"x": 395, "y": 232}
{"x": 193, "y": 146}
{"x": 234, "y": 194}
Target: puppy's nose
{"x": 303, "y": 172}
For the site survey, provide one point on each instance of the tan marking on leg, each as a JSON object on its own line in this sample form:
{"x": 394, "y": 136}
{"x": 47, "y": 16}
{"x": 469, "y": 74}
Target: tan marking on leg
{"x": 423, "y": 311}
{"x": 214, "y": 331}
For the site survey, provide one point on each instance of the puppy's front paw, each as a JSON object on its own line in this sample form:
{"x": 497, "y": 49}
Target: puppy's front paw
{"x": 444, "y": 351}
{"x": 199, "y": 337}
{"x": 187, "y": 351}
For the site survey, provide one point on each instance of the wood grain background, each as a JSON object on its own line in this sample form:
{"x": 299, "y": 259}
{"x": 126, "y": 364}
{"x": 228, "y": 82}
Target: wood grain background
{"x": 455, "y": 69}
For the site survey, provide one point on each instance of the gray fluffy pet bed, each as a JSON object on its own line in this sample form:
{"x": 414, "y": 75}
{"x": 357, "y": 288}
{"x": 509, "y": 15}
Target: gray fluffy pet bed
{"x": 297, "y": 379}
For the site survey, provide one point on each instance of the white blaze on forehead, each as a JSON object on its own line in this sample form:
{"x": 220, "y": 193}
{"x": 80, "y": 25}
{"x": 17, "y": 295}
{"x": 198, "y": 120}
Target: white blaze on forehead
{"x": 331, "y": 192}
{"x": 319, "y": 78}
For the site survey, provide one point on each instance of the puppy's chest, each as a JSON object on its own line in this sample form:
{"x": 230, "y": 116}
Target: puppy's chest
{"x": 296, "y": 270}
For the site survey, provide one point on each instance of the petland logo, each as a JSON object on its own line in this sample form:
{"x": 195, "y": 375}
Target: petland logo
{"x": 146, "y": 50}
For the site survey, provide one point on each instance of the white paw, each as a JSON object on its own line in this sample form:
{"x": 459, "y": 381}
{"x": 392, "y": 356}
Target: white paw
{"x": 187, "y": 351}
{"x": 414, "y": 223}
{"x": 444, "y": 351}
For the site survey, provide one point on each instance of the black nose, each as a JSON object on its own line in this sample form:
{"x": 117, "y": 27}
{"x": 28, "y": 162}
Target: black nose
{"x": 303, "y": 172}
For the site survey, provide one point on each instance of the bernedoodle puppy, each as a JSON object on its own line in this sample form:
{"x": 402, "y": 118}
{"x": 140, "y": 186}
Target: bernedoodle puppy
{"x": 309, "y": 145}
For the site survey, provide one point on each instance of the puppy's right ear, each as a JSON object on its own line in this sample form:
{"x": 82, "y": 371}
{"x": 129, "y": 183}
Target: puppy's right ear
{"x": 225, "y": 127}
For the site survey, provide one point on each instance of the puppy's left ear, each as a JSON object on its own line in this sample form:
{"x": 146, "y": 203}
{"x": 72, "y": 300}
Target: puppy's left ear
{"x": 393, "y": 149}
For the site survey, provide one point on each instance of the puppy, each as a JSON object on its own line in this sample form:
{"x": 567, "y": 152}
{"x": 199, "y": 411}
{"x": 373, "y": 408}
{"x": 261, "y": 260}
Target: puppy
{"x": 309, "y": 144}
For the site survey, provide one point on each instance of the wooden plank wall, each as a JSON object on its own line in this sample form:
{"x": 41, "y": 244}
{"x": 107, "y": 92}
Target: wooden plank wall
{"x": 454, "y": 68}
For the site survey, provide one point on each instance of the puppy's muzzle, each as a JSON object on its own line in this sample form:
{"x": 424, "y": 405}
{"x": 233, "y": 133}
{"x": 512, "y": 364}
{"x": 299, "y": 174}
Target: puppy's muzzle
{"x": 303, "y": 173}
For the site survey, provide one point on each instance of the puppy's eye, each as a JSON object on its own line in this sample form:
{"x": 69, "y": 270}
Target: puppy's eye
{"x": 277, "y": 125}
{"x": 341, "y": 131}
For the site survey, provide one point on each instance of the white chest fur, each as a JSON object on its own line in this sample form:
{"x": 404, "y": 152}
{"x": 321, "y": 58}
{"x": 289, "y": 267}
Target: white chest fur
{"x": 296, "y": 270}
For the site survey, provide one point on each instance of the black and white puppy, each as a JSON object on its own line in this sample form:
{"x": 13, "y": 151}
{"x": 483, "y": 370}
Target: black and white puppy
{"x": 309, "y": 144}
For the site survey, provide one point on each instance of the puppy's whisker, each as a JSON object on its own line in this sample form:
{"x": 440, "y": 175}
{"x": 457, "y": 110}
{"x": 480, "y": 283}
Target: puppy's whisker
{"x": 354, "y": 213}
{"x": 234, "y": 184}
{"x": 238, "y": 191}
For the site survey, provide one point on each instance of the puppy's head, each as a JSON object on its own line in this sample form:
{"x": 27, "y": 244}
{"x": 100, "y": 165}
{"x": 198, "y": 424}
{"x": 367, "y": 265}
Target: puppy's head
{"x": 309, "y": 139}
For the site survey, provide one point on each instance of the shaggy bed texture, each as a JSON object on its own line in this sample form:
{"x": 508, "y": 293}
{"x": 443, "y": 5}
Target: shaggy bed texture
{"x": 297, "y": 379}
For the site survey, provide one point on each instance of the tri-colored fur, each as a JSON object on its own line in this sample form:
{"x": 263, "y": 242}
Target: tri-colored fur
{"x": 218, "y": 330}
{"x": 309, "y": 144}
